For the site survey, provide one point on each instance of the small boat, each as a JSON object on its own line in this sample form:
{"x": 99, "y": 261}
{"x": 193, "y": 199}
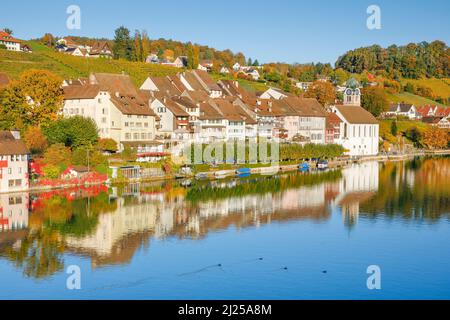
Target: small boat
{"x": 201, "y": 176}
{"x": 244, "y": 175}
{"x": 304, "y": 167}
{"x": 243, "y": 171}
{"x": 322, "y": 165}
{"x": 223, "y": 174}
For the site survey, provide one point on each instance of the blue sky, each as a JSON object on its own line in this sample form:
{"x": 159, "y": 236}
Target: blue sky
{"x": 282, "y": 30}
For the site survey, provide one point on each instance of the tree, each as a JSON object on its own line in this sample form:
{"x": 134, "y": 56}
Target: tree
{"x": 193, "y": 56}
{"x": 435, "y": 138}
{"x": 87, "y": 156}
{"x": 48, "y": 40}
{"x": 35, "y": 140}
{"x": 374, "y": 100}
{"x": 58, "y": 155}
{"x": 123, "y": 45}
{"x": 394, "y": 128}
{"x": 138, "y": 48}
{"x": 107, "y": 145}
{"x": 73, "y": 132}
{"x": 339, "y": 76}
{"x": 324, "y": 92}
{"x": 8, "y": 31}
{"x": 256, "y": 63}
{"x": 33, "y": 99}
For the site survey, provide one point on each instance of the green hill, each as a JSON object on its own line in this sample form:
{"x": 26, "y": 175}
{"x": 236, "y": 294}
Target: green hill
{"x": 66, "y": 66}
{"x": 416, "y": 100}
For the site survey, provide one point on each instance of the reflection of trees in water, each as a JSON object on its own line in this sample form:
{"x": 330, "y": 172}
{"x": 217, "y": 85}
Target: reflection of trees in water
{"x": 261, "y": 185}
{"x": 415, "y": 190}
{"x": 39, "y": 254}
{"x": 39, "y": 251}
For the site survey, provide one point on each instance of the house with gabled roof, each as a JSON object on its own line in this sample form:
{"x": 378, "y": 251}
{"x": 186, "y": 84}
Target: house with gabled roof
{"x": 11, "y": 43}
{"x": 403, "y": 110}
{"x": 359, "y": 131}
{"x": 120, "y": 111}
{"x": 101, "y": 49}
{"x": 14, "y": 157}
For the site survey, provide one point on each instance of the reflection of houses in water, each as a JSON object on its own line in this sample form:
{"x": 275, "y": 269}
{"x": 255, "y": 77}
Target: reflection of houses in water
{"x": 359, "y": 183}
{"x": 14, "y": 211}
{"x": 115, "y": 238}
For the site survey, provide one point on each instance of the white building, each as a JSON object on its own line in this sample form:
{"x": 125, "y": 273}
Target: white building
{"x": 359, "y": 132}
{"x": 119, "y": 110}
{"x": 404, "y": 110}
{"x": 14, "y": 156}
{"x": 11, "y": 43}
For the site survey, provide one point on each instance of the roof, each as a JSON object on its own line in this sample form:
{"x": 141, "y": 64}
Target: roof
{"x": 204, "y": 77}
{"x": 173, "y": 107}
{"x": 332, "y": 120}
{"x": 78, "y": 91}
{"x": 10, "y": 146}
{"x": 356, "y": 115}
{"x": 165, "y": 85}
{"x": 114, "y": 83}
{"x": 232, "y": 112}
{"x": 306, "y": 107}
{"x": 5, "y": 36}
{"x": 132, "y": 105}
{"x": 99, "y": 47}
{"x": 197, "y": 96}
{"x": 404, "y": 107}
{"x": 208, "y": 112}
{"x": 4, "y": 80}
{"x": 193, "y": 81}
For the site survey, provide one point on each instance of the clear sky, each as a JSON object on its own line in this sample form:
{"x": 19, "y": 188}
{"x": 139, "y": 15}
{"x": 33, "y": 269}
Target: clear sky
{"x": 281, "y": 30}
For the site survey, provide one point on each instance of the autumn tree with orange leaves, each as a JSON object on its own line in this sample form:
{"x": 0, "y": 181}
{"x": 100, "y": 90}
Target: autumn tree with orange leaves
{"x": 324, "y": 92}
{"x": 435, "y": 138}
{"x": 33, "y": 99}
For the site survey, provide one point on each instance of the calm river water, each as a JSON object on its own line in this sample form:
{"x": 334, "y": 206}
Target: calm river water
{"x": 293, "y": 236}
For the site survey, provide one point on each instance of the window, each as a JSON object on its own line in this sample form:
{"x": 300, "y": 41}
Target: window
{"x": 126, "y": 124}
{"x": 127, "y": 136}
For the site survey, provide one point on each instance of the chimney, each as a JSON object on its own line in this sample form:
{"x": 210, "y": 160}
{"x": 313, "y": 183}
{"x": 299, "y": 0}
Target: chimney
{"x": 16, "y": 134}
{"x": 117, "y": 94}
{"x": 164, "y": 99}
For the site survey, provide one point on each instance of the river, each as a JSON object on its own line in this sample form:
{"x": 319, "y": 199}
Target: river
{"x": 291, "y": 236}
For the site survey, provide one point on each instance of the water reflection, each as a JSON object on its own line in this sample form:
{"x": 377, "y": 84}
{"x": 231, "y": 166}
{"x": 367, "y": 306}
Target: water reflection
{"x": 108, "y": 226}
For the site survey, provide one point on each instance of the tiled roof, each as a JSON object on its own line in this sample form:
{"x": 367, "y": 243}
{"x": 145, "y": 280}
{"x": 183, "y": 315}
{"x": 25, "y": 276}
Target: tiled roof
{"x": 10, "y": 146}
{"x": 356, "y": 115}
{"x": 4, "y": 36}
{"x": 78, "y": 91}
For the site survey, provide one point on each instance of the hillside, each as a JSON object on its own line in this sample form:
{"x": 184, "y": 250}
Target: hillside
{"x": 66, "y": 66}
{"x": 410, "y": 98}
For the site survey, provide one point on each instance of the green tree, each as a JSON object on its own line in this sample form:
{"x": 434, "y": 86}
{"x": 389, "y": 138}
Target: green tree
{"x": 123, "y": 45}
{"x": 374, "y": 100}
{"x": 9, "y": 31}
{"x": 73, "y": 132}
{"x": 394, "y": 128}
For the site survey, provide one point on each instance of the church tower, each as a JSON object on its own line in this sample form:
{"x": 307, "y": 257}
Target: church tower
{"x": 352, "y": 93}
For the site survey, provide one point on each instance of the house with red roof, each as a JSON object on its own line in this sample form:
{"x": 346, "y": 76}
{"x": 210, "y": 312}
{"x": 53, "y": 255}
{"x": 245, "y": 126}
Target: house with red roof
{"x": 11, "y": 43}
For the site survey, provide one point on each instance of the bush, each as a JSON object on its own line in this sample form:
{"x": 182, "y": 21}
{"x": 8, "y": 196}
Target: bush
{"x": 80, "y": 157}
{"x": 58, "y": 155}
{"x": 51, "y": 172}
{"x": 107, "y": 145}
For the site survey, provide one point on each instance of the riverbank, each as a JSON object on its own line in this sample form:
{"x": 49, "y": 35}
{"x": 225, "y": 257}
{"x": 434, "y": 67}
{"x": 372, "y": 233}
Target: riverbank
{"x": 221, "y": 174}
